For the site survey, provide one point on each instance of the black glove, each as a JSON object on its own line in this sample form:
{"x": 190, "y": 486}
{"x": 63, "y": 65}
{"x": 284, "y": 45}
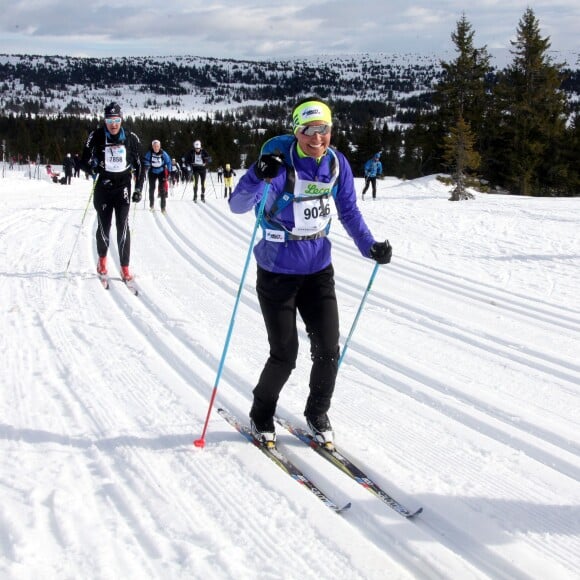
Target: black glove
{"x": 136, "y": 196}
{"x": 381, "y": 252}
{"x": 268, "y": 166}
{"x": 97, "y": 170}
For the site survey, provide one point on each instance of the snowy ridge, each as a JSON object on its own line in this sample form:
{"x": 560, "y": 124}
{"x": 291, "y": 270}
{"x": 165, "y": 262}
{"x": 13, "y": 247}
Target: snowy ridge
{"x": 458, "y": 393}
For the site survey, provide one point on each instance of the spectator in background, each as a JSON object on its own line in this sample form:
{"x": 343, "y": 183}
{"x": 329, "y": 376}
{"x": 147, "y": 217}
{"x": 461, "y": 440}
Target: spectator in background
{"x": 77, "y": 165}
{"x": 373, "y": 169}
{"x": 68, "y": 167}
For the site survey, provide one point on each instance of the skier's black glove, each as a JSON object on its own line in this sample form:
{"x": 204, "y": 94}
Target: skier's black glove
{"x": 136, "y": 196}
{"x": 268, "y": 166}
{"x": 381, "y": 252}
{"x": 97, "y": 170}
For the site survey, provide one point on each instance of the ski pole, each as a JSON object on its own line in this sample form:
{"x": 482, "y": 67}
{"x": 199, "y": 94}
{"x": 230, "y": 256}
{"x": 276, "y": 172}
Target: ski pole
{"x": 185, "y": 182}
{"x": 364, "y": 298}
{"x": 212, "y": 184}
{"x": 134, "y": 213}
{"x": 81, "y": 226}
{"x": 201, "y": 441}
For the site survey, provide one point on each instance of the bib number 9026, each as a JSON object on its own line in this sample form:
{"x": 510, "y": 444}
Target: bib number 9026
{"x": 316, "y": 212}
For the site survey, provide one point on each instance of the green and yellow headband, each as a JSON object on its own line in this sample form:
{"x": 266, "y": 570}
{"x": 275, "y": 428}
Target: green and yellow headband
{"x": 310, "y": 111}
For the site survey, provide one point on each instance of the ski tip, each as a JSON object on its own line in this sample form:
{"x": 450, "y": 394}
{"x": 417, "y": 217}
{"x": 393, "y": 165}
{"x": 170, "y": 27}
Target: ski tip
{"x": 411, "y": 515}
{"x": 344, "y": 508}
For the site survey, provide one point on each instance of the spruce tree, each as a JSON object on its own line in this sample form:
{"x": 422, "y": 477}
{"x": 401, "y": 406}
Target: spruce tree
{"x": 531, "y": 114}
{"x": 461, "y": 95}
{"x": 462, "y": 92}
{"x": 461, "y": 157}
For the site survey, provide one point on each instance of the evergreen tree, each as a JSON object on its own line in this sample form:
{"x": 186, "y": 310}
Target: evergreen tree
{"x": 461, "y": 157}
{"x": 462, "y": 92}
{"x": 368, "y": 142}
{"x": 572, "y": 153}
{"x": 530, "y": 114}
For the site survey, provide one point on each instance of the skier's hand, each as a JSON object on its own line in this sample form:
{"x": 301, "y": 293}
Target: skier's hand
{"x": 381, "y": 252}
{"x": 136, "y": 196}
{"x": 268, "y": 166}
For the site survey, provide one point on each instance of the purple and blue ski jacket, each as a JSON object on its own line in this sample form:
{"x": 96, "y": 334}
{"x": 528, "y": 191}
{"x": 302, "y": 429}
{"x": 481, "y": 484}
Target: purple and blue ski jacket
{"x": 304, "y": 255}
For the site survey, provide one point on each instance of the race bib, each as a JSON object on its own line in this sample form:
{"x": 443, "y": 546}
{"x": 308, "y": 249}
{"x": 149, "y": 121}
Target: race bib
{"x": 115, "y": 158}
{"x": 156, "y": 161}
{"x": 312, "y": 211}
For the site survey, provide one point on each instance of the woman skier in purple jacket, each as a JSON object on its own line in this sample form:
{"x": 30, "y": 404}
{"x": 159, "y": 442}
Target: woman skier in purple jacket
{"x": 295, "y": 272}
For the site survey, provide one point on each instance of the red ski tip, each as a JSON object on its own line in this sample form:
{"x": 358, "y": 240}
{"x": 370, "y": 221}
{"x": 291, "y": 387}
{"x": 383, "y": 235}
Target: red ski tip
{"x": 199, "y": 442}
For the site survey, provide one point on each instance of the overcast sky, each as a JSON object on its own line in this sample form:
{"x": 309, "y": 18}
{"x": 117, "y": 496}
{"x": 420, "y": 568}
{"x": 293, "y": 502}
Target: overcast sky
{"x": 255, "y": 29}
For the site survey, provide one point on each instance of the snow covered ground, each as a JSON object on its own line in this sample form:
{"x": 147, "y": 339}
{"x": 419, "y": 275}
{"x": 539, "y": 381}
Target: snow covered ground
{"x": 459, "y": 393}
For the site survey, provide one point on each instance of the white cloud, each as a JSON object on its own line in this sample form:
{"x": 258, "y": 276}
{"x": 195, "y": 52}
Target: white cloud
{"x": 258, "y": 28}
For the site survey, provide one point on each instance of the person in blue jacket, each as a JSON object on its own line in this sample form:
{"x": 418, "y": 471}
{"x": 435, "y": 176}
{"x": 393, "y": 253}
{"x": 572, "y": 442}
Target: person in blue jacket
{"x": 295, "y": 272}
{"x": 158, "y": 164}
{"x": 373, "y": 169}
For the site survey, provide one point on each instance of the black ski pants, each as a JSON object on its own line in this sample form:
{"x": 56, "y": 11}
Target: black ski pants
{"x": 199, "y": 174}
{"x": 281, "y": 297}
{"x": 154, "y": 179}
{"x": 370, "y": 181}
{"x": 109, "y": 198}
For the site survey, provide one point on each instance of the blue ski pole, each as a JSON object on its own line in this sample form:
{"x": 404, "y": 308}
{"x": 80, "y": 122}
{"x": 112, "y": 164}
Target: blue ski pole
{"x": 201, "y": 441}
{"x": 364, "y": 298}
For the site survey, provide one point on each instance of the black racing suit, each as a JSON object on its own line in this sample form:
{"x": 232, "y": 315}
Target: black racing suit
{"x": 112, "y": 160}
{"x": 198, "y": 161}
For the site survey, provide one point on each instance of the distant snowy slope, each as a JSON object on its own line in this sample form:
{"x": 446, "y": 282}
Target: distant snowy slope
{"x": 190, "y": 86}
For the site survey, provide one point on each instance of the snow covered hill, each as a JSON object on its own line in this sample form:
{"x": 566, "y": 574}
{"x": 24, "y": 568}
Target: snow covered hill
{"x": 459, "y": 393}
{"x": 185, "y": 87}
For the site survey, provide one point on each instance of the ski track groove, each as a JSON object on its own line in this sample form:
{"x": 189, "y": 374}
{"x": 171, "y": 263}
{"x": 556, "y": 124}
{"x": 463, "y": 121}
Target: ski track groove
{"x": 202, "y": 260}
{"x": 526, "y": 308}
{"x": 471, "y": 412}
{"x": 496, "y": 346}
{"x": 69, "y": 402}
{"x": 493, "y": 344}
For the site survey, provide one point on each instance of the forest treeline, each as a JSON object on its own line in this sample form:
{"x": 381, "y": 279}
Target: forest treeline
{"x": 515, "y": 129}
